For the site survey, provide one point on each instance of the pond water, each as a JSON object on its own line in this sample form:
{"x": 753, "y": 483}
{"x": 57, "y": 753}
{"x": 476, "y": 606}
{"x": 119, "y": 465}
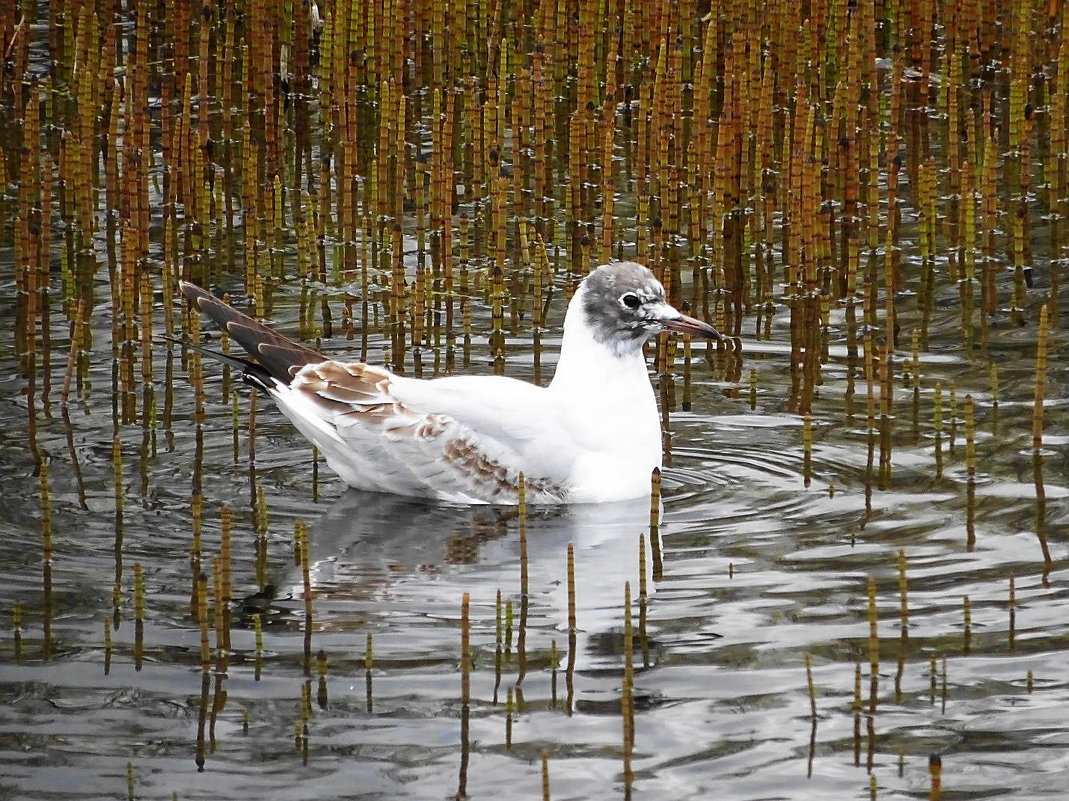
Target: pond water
{"x": 853, "y": 584}
{"x": 752, "y": 569}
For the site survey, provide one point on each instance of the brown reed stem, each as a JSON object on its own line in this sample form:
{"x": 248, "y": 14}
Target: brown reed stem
{"x": 569, "y": 674}
{"x": 873, "y": 618}
{"x": 810, "y": 686}
{"x": 202, "y": 617}
{"x": 545, "y": 775}
{"x": 465, "y": 693}
{"x": 1041, "y": 379}
{"x": 139, "y": 615}
{"x": 655, "y": 517}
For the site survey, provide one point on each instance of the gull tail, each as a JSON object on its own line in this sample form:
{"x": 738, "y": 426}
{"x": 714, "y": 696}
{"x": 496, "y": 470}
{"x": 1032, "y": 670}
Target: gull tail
{"x": 275, "y": 356}
{"x": 251, "y": 372}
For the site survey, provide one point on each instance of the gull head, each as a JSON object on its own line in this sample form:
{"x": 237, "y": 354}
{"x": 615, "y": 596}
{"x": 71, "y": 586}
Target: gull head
{"x": 624, "y": 305}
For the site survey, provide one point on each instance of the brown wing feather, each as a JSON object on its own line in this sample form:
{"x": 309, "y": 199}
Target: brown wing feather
{"x": 360, "y": 394}
{"x": 486, "y": 472}
{"x": 281, "y": 357}
{"x": 356, "y": 388}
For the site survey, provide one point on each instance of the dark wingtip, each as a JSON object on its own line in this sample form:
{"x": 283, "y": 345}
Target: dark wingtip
{"x": 192, "y": 292}
{"x": 251, "y": 372}
{"x": 274, "y": 352}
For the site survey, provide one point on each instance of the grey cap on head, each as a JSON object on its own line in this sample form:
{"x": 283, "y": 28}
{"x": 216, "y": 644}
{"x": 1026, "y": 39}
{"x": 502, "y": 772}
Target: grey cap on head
{"x": 624, "y": 305}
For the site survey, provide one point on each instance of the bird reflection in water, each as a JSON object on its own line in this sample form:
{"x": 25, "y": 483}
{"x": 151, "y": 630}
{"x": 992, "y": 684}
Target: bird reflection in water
{"x": 378, "y": 558}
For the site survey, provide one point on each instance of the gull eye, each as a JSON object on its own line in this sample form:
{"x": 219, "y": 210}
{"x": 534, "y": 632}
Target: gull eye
{"x": 630, "y": 300}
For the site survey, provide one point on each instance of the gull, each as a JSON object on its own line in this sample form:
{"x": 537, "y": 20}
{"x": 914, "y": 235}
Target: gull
{"x": 591, "y": 435}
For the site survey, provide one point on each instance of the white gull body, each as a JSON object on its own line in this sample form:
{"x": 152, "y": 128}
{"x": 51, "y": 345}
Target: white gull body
{"x": 592, "y": 435}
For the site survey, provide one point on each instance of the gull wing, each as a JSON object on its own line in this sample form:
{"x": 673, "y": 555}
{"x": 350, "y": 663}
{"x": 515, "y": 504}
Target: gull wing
{"x": 465, "y": 439}
{"x": 276, "y": 356}
{"x": 460, "y": 438}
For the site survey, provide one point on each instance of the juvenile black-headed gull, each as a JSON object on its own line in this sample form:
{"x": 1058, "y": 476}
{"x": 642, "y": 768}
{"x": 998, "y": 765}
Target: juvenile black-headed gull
{"x": 593, "y": 434}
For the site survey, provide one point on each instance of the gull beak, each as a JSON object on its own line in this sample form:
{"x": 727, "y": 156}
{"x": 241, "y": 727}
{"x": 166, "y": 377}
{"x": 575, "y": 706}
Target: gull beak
{"x": 677, "y": 321}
